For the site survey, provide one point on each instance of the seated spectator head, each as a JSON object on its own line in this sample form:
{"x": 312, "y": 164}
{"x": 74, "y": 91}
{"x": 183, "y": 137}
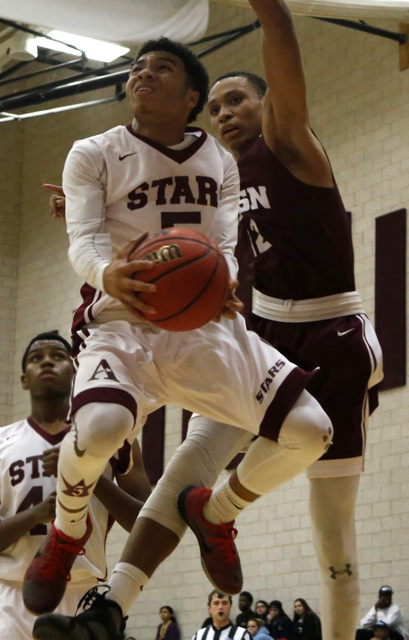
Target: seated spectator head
{"x": 245, "y": 601}
{"x": 254, "y": 625}
{"x": 300, "y": 608}
{"x": 166, "y": 613}
{"x": 385, "y": 596}
{"x": 261, "y": 608}
{"x": 219, "y": 608}
{"x": 275, "y": 609}
{"x": 381, "y": 630}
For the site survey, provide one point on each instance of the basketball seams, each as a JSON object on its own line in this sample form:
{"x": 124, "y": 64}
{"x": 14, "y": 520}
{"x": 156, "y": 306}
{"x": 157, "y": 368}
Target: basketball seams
{"x": 191, "y": 289}
{"x": 199, "y": 293}
{"x": 176, "y": 267}
{"x": 154, "y": 243}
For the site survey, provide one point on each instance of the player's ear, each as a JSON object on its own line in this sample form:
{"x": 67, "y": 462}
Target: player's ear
{"x": 193, "y": 99}
{"x": 24, "y": 384}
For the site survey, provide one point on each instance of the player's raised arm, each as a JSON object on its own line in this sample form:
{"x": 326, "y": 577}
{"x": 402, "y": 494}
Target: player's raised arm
{"x": 286, "y": 126}
{"x": 282, "y": 61}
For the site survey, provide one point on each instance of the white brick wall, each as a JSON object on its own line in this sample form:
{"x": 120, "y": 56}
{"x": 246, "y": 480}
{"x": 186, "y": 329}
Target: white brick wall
{"x": 10, "y": 186}
{"x": 358, "y": 106}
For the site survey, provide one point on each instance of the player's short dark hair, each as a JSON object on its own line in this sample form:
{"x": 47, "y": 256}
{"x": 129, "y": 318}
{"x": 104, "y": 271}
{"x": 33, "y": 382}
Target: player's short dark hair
{"x": 248, "y": 596}
{"x": 47, "y": 335}
{"x": 219, "y": 594}
{"x": 259, "y": 84}
{"x": 197, "y": 77}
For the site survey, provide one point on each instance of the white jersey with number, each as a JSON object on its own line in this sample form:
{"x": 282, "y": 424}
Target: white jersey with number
{"x": 119, "y": 184}
{"x": 23, "y": 485}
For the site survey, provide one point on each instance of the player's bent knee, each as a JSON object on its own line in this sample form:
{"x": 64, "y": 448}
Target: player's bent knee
{"x": 102, "y": 427}
{"x": 307, "y": 427}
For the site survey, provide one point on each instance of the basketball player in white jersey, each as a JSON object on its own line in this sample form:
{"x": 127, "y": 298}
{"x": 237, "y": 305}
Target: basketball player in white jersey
{"x": 28, "y": 465}
{"x": 152, "y": 174}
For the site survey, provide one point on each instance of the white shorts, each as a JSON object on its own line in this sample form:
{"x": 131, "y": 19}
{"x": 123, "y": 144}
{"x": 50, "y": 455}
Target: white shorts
{"x": 16, "y": 623}
{"x": 220, "y": 370}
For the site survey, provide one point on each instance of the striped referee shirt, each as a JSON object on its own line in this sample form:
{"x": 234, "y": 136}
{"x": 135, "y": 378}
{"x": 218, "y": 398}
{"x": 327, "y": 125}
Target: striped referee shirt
{"x": 230, "y": 631}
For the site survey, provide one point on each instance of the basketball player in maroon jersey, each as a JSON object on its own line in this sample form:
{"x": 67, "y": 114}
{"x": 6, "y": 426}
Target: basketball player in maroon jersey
{"x": 295, "y": 246}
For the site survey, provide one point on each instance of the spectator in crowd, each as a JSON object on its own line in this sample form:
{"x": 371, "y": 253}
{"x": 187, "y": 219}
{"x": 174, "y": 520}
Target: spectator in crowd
{"x": 262, "y": 609}
{"x": 306, "y": 621}
{"x": 246, "y": 612}
{"x": 280, "y": 626}
{"x": 381, "y": 630}
{"x": 168, "y": 629}
{"x": 258, "y": 630}
{"x": 221, "y": 627}
{"x": 383, "y": 611}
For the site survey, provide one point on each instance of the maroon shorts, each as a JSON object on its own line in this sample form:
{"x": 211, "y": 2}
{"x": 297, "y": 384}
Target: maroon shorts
{"x": 348, "y": 355}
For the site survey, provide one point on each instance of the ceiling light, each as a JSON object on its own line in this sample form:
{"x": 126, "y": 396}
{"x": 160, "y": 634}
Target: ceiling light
{"x": 22, "y": 47}
{"x": 94, "y": 49}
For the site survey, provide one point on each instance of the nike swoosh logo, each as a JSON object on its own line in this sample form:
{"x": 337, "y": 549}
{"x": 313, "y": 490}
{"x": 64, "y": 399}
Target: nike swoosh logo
{"x": 343, "y": 333}
{"x": 126, "y": 156}
{"x": 78, "y": 451}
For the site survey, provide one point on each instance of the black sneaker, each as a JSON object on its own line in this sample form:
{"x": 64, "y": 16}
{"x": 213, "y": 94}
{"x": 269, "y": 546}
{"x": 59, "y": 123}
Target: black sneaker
{"x": 102, "y": 619}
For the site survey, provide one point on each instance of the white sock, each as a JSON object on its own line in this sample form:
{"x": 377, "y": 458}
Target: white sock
{"x": 224, "y": 505}
{"x": 126, "y": 583}
{"x": 75, "y": 530}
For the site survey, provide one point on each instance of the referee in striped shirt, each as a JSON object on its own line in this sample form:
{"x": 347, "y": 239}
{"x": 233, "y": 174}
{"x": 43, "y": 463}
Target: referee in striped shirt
{"x": 222, "y": 627}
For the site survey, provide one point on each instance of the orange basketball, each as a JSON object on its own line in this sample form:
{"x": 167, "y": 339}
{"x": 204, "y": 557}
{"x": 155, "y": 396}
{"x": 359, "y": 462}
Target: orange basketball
{"x": 191, "y": 276}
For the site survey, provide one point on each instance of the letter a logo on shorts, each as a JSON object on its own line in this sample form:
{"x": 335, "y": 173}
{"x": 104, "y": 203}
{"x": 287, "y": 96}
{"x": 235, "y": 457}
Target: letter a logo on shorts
{"x": 103, "y": 372}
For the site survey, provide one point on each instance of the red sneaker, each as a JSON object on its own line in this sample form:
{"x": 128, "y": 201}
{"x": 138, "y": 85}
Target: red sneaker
{"x": 219, "y": 555}
{"x": 48, "y": 573}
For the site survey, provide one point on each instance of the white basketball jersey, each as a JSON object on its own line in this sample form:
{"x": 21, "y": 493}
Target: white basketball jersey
{"x": 23, "y": 485}
{"x": 120, "y": 184}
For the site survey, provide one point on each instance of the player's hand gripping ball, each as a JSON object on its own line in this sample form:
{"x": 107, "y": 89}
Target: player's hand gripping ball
{"x": 191, "y": 276}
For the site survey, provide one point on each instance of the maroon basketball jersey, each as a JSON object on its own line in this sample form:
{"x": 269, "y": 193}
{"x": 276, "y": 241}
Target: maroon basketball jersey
{"x": 300, "y": 235}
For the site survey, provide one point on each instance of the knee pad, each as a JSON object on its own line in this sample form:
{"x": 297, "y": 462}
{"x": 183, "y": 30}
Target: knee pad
{"x": 307, "y": 428}
{"x": 102, "y": 428}
{"x": 198, "y": 461}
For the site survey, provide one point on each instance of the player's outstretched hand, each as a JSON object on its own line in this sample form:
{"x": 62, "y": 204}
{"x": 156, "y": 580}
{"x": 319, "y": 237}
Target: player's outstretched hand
{"x": 46, "y": 509}
{"x": 50, "y": 461}
{"x": 120, "y": 284}
{"x": 56, "y": 203}
{"x": 233, "y": 304}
